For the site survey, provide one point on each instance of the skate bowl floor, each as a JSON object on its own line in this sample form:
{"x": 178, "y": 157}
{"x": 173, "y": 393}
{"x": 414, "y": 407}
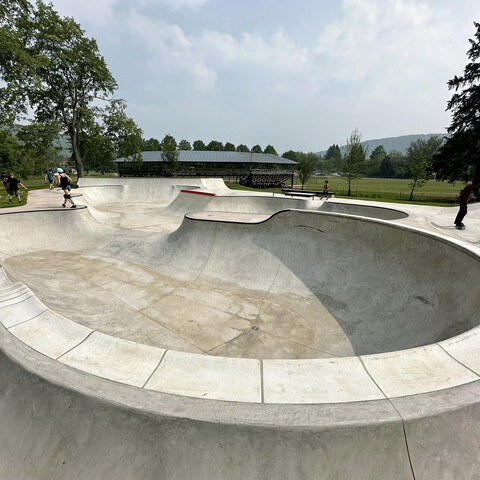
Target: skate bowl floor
{"x": 251, "y": 335}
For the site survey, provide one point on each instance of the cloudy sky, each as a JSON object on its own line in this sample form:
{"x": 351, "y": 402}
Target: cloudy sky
{"x": 298, "y": 75}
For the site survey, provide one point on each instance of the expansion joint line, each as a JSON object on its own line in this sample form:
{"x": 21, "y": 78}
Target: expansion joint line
{"x": 399, "y": 414}
{"x": 276, "y": 273}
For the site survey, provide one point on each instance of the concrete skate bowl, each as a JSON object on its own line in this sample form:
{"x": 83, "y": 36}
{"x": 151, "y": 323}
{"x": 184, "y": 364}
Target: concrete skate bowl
{"x": 193, "y": 201}
{"x": 70, "y": 394}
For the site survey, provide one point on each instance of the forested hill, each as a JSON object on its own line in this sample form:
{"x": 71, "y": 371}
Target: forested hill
{"x": 399, "y": 144}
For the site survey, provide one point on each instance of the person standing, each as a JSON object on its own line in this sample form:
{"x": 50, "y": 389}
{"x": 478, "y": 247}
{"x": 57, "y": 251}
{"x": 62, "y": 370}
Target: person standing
{"x": 465, "y": 196}
{"x": 12, "y": 190}
{"x": 49, "y": 177}
{"x": 326, "y": 186}
{"x": 65, "y": 183}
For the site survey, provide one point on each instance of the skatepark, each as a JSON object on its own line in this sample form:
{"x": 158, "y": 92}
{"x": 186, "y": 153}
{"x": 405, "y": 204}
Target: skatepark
{"x": 173, "y": 329}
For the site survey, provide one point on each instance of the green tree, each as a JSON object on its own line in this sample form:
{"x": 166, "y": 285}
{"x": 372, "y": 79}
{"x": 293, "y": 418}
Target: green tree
{"x": 10, "y": 151}
{"x": 150, "y": 145}
{"x": 215, "y": 146}
{"x": 306, "y": 166}
{"x": 256, "y": 149}
{"x": 270, "y": 150}
{"x": 333, "y": 152}
{"x": 386, "y": 169}
{"x": 169, "y": 152}
{"x": 459, "y": 157}
{"x": 199, "y": 146}
{"x": 242, "y": 148}
{"x": 398, "y": 162}
{"x": 37, "y": 146}
{"x": 332, "y": 161}
{"x": 290, "y": 155}
{"x": 419, "y": 172}
{"x": 123, "y": 132}
{"x": 354, "y": 160}
{"x": 97, "y": 151}
{"x": 426, "y": 148}
{"x": 50, "y": 66}
{"x": 375, "y": 161}
{"x": 184, "y": 145}
{"x": 26, "y": 149}
{"x": 229, "y": 147}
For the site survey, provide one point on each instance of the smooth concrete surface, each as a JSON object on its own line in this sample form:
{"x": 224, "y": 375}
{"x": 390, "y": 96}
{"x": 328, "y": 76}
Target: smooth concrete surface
{"x": 228, "y": 342}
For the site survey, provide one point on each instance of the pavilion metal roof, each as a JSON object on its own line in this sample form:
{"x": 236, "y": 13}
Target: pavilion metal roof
{"x": 197, "y": 156}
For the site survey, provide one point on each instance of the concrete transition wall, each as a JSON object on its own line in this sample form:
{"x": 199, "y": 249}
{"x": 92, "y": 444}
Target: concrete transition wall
{"x": 60, "y": 423}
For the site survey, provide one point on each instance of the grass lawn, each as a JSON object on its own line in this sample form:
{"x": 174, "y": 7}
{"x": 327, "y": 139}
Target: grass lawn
{"x": 394, "y": 190}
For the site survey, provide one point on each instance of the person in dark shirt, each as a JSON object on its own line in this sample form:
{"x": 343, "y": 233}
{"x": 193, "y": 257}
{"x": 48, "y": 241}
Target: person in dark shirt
{"x": 65, "y": 183}
{"x": 12, "y": 190}
{"x": 49, "y": 176}
{"x": 465, "y": 196}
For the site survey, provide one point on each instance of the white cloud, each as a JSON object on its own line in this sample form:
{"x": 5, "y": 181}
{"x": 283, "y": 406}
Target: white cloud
{"x": 174, "y": 4}
{"x": 94, "y": 13}
{"x": 393, "y": 41}
{"x": 381, "y": 65}
{"x": 278, "y": 54}
{"x": 204, "y": 55}
{"x": 170, "y": 50}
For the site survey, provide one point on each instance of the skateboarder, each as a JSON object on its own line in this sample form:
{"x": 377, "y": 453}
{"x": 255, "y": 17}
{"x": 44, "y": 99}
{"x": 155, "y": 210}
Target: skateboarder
{"x": 465, "y": 196}
{"x": 65, "y": 183}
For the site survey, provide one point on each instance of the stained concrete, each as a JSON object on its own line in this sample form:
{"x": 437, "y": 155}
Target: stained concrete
{"x": 233, "y": 343}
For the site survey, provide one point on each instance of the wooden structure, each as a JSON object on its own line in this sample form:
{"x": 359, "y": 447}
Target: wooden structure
{"x": 249, "y": 169}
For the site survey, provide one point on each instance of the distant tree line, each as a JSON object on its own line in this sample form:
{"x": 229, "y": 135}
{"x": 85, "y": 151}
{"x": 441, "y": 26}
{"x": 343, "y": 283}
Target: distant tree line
{"x": 153, "y": 145}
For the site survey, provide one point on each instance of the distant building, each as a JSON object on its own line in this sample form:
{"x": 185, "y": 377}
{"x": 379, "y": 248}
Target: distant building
{"x": 249, "y": 169}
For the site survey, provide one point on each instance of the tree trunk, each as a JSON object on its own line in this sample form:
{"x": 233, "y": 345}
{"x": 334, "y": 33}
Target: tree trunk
{"x": 411, "y": 192}
{"x": 349, "y": 189}
{"x": 76, "y": 154}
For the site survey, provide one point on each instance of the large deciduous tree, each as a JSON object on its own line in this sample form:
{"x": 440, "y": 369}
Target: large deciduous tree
{"x": 52, "y": 68}
{"x": 459, "y": 158}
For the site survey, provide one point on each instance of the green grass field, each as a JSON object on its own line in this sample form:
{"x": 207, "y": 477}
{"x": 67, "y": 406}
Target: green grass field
{"x": 385, "y": 190}
{"x": 392, "y": 189}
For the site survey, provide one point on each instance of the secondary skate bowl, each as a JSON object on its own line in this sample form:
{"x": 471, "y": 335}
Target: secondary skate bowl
{"x": 233, "y": 344}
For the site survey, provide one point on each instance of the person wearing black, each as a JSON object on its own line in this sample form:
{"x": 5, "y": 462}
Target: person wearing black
{"x": 12, "y": 190}
{"x": 65, "y": 183}
{"x": 465, "y": 196}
